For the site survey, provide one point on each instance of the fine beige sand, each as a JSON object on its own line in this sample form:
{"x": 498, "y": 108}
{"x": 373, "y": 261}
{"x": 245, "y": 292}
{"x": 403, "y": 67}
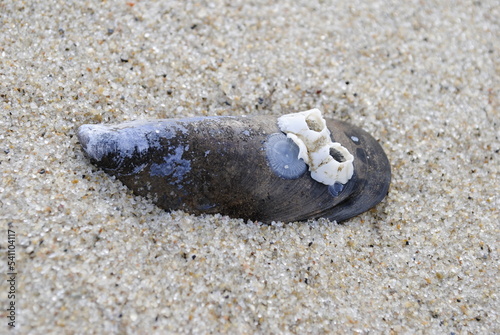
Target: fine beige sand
{"x": 91, "y": 258}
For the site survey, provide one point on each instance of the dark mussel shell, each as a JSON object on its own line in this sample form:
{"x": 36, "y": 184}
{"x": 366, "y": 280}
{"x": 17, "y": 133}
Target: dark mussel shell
{"x": 223, "y": 165}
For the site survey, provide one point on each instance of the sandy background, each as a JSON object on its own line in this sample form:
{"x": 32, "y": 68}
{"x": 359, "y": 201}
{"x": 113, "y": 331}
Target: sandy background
{"x": 422, "y": 76}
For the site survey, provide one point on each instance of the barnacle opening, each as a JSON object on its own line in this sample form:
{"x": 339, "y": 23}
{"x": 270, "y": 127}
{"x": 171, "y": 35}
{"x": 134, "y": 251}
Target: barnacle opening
{"x": 337, "y": 155}
{"x": 315, "y": 123}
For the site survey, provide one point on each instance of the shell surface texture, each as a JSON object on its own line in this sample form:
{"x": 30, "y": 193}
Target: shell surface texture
{"x": 262, "y": 168}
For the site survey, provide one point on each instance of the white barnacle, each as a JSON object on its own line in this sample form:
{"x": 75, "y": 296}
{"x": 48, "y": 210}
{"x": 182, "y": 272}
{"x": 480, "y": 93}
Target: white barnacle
{"x": 329, "y": 162}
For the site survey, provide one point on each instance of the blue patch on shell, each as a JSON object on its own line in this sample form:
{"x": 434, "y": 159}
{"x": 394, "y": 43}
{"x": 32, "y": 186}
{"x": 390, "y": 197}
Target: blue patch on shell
{"x": 335, "y": 189}
{"x": 282, "y": 155}
{"x": 173, "y": 167}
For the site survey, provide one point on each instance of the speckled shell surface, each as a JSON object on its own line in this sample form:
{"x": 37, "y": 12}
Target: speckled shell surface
{"x": 219, "y": 165}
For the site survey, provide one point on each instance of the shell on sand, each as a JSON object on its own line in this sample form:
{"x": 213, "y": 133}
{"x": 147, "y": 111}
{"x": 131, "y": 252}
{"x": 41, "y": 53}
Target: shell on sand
{"x": 222, "y": 165}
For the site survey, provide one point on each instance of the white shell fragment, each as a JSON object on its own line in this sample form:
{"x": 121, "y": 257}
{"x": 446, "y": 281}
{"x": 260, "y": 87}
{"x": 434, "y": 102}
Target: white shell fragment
{"x": 308, "y": 130}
